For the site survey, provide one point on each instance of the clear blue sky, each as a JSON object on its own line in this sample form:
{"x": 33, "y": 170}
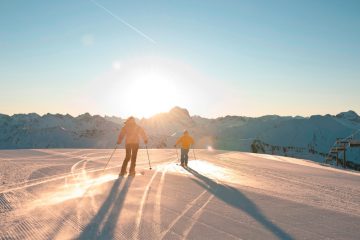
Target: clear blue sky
{"x": 213, "y": 57}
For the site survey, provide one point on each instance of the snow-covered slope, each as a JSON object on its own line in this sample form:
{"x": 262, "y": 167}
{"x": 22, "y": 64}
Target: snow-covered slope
{"x": 65, "y": 194}
{"x": 314, "y": 135}
{"x": 56, "y": 131}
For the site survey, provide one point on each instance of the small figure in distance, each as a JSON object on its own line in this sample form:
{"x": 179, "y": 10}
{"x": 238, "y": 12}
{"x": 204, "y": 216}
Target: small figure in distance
{"x": 186, "y": 141}
{"x": 132, "y": 133}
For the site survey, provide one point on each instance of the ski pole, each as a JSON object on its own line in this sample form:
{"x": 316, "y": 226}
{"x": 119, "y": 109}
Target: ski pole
{"x": 110, "y": 157}
{"x": 147, "y": 151}
{"x": 194, "y": 153}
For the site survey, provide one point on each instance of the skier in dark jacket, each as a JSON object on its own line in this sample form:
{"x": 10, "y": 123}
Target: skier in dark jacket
{"x": 132, "y": 133}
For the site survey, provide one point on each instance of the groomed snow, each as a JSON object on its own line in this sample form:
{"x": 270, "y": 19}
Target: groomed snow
{"x": 64, "y": 194}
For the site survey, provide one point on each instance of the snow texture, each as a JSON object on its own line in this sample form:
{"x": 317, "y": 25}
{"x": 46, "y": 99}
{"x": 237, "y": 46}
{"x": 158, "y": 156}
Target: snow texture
{"x": 65, "y": 194}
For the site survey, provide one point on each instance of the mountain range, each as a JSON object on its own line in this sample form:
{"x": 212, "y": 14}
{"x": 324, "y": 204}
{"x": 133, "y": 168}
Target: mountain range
{"x": 303, "y": 137}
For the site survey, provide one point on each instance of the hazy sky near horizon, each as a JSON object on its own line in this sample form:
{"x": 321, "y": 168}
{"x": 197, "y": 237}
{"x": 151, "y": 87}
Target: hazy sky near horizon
{"x": 212, "y": 57}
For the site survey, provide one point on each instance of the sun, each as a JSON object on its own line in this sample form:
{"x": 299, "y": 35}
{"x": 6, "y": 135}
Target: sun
{"x": 144, "y": 92}
{"x": 150, "y": 94}
{"x": 144, "y": 87}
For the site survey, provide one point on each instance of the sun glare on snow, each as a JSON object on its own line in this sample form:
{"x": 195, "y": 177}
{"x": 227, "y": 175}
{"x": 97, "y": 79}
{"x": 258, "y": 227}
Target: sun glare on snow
{"x": 83, "y": 186}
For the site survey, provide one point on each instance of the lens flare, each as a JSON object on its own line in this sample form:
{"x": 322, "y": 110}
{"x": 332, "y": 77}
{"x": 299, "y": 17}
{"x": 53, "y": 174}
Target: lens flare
{"x": 116, "y": 65}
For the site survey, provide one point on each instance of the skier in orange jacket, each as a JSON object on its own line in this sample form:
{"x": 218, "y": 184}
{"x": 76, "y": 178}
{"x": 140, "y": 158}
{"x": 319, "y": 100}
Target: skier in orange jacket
{"x": 186, "y": 142}
{"x": 132, "y": 132}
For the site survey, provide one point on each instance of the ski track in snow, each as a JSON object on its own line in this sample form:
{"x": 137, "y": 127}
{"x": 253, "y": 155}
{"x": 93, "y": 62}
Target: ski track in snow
{"x": 65, "y": 194}
{"x": 286, "y": 181}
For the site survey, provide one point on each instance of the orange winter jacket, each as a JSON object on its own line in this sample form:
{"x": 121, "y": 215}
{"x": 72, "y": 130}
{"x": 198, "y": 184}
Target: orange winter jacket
{"x": 186, "y": 141}
{"x": 132, "y": 132}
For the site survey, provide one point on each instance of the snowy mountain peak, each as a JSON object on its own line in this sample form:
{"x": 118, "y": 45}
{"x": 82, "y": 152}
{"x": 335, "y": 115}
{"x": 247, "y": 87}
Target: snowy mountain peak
{"x": 349, "y": 115}
{"x": 25, "y": 117}
{"x": 180, "y": 112}
{"x": 84, "y": 116}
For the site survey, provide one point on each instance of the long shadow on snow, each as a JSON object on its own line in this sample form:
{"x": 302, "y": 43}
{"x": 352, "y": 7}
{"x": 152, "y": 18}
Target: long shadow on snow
{"x": 235, "y": 198}
{"x": 103, "y": 224}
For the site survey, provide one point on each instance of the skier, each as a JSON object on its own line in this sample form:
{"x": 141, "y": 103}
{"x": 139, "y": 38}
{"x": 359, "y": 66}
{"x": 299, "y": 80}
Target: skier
{"x": 186, "y": 141}
{"x": 132, "y": 132}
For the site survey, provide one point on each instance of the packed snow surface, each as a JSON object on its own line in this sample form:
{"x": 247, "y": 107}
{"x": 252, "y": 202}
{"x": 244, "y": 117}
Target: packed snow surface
{"x": 65, "y": 194}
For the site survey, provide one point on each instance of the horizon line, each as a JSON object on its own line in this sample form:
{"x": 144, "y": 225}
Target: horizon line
{"x": 195, "y": 115}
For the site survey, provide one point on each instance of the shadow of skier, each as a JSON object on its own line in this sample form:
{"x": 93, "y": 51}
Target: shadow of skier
{"x": 235, "y": 198}
{"x": 103, "y": 224}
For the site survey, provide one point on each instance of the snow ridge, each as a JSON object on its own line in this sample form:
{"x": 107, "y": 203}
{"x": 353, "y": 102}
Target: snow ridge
{"x": 317, "y": 132}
